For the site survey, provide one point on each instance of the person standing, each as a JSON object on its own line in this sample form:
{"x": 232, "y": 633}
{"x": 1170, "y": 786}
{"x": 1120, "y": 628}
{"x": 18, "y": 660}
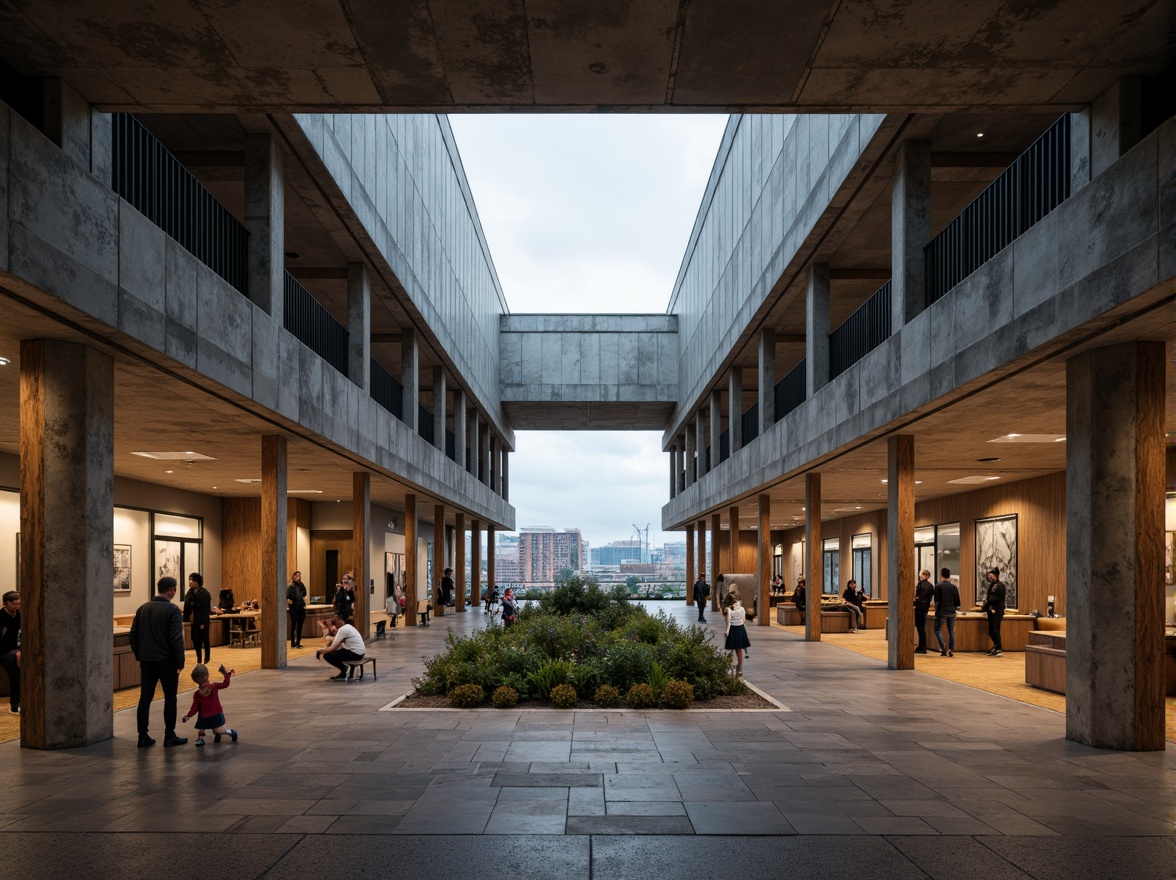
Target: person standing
{"x": 947, "y": 602}
{"x": 924, "y": 593}
{"x": 157, "y": 640}
{"x": 198, "y": 613}
{"x": 10, "y": 647}
{"x": 296, "y": 604}
{"x": 736, "y": 629}
{"x": 994, "y": 607}
{"x": 799, "y": 598}
{"x": 345, "y": 598}
{"x": 447, "y": 587}
{"x": 701, "y": 594}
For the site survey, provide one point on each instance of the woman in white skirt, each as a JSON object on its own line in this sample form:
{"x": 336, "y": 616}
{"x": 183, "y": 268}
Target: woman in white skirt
{"x": 736, "y": 631}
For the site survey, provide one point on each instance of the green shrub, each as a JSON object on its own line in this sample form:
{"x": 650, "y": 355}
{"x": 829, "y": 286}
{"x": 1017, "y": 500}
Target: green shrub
{"x": 657, "y": 678}
{"x": 564, "y": 696}
{"x": 467, "y": 696}
{"x": 677, "y": 695}
{"x": 607, "y": 697}
{"x": 627, "y": 663}
{"x": 641, "y": 697}
{"x": 504, "y": 697}
{"x": 549, "y": 676}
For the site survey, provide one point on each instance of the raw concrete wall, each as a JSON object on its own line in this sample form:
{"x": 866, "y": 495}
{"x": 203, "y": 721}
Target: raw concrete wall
{"x": 71, "y": 240}
{"x": 402, "y": 179}
{"x": 1111, "y": 242}
{"x": 774, "y": 179}
{"x": 608, "y": 372}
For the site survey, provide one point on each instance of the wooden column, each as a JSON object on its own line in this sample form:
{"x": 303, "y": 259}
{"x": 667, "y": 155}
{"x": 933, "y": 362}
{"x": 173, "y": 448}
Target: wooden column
{"x": 410, "y": 560}
{"x": 66, "y": 536}
{"x": 1115, "y": 466}
{"x": 460, "y": 582}
{"x": 814, "y": 565}
{"x": 716, "y": 553}
{"x": 361, "y": 541}
{"x": 273, "y": 551}
{"x": 732, "y": 550}
{"x": 763, "y": 560}
{"x": 475, "y": 562}
{"x": 439, "y": 558}
{"x": 490, "y": 573}
{"x": 690, "y": 575}
{"x": 900, "y": 552}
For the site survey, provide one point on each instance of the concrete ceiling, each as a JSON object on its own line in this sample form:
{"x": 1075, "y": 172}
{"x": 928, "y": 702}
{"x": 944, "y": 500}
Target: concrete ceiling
{"x": 718, "y": 55}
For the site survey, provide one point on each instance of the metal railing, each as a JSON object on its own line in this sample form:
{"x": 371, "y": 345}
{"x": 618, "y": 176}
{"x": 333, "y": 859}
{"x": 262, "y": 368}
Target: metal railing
{"x": 308, "y": 319}
{"x": 1036, "y": 183}
{"x": 861, "y": 332}
{"x": 751, "y": 423}
{"x": 791, "y": 390}
{"x": 386, "y": 390}
{"x": 725, "y": 445}
{"x": 425, "y": 422}
{"x": 154, "y": 182}
{"x": 450, "y": 445}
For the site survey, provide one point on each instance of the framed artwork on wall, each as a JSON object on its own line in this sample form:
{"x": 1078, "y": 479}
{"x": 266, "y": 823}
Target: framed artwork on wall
{"x": 167, "y": 559}
{"x": 122, "y": 568}
{"x": 996, "y": 547}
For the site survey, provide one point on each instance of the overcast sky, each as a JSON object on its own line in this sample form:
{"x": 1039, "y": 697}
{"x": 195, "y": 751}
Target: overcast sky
{"x": 588, "y": 213}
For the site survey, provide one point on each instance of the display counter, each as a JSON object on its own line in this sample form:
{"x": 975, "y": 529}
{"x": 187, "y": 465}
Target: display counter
{"x": 972, "y": 631}
{"x": 315, "y": 614}
{"x": 877, "y": 613}
{"x": 1045, "y": 661}
{"x": 126, "y": 667}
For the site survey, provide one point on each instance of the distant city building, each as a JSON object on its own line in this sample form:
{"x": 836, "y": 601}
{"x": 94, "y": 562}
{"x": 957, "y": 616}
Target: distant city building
{"x": 612, "y": 555}
{"x": 506, "y": 559}
{"x": 674, "y": 553}
{"x": 543, "y": 553}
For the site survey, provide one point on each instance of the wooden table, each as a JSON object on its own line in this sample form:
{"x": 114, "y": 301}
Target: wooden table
{"x": 241, "y": 624}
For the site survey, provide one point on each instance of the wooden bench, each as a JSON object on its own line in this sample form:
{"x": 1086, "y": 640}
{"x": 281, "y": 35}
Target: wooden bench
{"x": 367, "y": 658}
{"x": 789, "y": 615}
{"x": 834, "y": 621}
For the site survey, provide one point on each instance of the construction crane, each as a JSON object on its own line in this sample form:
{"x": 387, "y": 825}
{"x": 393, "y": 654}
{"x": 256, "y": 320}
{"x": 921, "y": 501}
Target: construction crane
{"x": 643, "y": 548}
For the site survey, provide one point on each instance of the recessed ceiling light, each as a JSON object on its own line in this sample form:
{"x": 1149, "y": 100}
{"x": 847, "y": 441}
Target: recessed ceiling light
{"x": 979, "y": 134}
{"x": 975, "y": 479}
{"x": 247, "y": 480}
{"x": 304, "y": 491}
{"x": 917, "y": 482}
{"x": 169, "y": 472}
{"x": 1029, "y": 438}
{"x": 175, "y": 456}
{"x": 4, "y": 362}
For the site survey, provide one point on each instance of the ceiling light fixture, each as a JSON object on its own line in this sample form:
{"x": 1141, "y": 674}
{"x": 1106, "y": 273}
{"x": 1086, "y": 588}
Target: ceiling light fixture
{"x": 169, "y": 472}
{"x": 975, "y": 479}
{"x": 987, "y": 460}
{"x": 304, "y": 491}
{"x": 1029, "y": 438}
{"x": 175, "y": 456}
{"x": 247, "y": 480}
{"x": 979, "y": 134}
{"x": 4, "y": 362}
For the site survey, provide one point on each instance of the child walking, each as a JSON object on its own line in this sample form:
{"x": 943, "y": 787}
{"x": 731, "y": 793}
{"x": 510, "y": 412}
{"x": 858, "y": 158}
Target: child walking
{"x": 206, "y": 704}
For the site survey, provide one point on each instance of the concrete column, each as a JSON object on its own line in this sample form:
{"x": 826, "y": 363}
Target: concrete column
{"x": 439, "y": 414}
{"x": 675, "y": 468}
{"x": 1116, "y": 123}
{"x": 732, "y": 549}
{"x": 68, "y": 123}
{"x": 1079, "y": 149}
{"x": 473, "y": 431}
{"x": 66, "y": 540}
{"x": 274, "y": 512}
{"x": 816, "y": 348}
{"x": 475, "y": 562}
{"x": 484, "y": 452}
{"x": 1115, "y": 472}
{"x": 735, "y": 409}
{"x": 701, "y": 544}
{"x": 691, "y": 575}
{"x": 439, "y": 557}
{"x": 691, "y": 455}
{"x": 459, "y": 427}
{"x": 505, "y": 473}
{"x": 716, "y": 526}
{"x": 910, "y": 231}
{"x": 265, "y": 218}
{"x": 359, "y": 326}
{"x": 767, "y": 379}
{"x": 410, "y": 560}
{"x": 814, "y": 564}
{"x": 410, "y": 379}
{"x": 900, "y": 551}
{"x": 763, "y": 560}
{"x": 495, "y": 466}
{"x": 716, "y": 427}
{"x": 460, "y": 581}
{"x": 490, "y": 573}
{"x": 700, "y": 442}
{"x": 361, "y": 542}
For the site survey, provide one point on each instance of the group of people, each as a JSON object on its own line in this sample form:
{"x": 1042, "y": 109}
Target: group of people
{"x": 946, "y": 597}
{"x": 507, "y": 606}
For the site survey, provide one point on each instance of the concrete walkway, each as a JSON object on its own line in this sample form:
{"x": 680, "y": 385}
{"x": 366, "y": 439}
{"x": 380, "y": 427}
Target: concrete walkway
{"x": 867, "y": 770}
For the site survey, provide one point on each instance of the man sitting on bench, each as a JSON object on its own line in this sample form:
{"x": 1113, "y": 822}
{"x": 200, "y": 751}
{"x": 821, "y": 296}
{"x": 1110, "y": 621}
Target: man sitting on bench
{"x": 347, "y": 645}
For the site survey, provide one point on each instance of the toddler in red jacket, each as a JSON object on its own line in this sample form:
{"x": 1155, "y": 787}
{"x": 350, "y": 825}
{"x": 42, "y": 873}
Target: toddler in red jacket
{"x": 206, "y": 704}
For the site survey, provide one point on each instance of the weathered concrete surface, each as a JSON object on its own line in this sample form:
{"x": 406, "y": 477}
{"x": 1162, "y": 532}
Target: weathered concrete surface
{"x": 1118, "y": 245}
{"x": 605, "y": 372}
{"x": 672, "y": 54}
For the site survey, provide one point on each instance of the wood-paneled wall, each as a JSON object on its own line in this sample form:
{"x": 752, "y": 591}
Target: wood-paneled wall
{"x": 241, "y": 543}
{"x": 1040, "y": 505}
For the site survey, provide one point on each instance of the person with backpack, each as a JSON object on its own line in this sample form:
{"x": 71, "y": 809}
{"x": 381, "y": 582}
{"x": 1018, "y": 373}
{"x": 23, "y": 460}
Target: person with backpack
{"x": 509, "y": 607}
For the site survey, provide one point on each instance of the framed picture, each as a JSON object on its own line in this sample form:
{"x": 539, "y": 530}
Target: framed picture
{"x": 122, "y": 568}
{"x": 167, "y": 559}
{"x": 996, "y": 547}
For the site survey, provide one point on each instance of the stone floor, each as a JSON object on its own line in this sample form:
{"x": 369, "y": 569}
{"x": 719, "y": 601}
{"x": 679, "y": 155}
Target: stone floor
{"x": 865, "y": 770}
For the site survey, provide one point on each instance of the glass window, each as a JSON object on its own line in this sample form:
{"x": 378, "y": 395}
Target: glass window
{"x": 863, "y": 562}
{"x": 178, "y": 526}
{"x": 947, "y": 550}
{"x": 832, "y": 566}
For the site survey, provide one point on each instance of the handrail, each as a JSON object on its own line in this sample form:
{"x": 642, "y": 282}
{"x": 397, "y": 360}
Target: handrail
{"x": 308, "y": 319}
{"x": 791, "y": 390}
{"x": 861, "y": 332}
{"x": 386, "y": 389}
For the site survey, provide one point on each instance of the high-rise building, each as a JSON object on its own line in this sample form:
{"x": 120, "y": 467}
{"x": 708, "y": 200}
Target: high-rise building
{"x": 544, "y": 553}
{"x": 612, "y": 555}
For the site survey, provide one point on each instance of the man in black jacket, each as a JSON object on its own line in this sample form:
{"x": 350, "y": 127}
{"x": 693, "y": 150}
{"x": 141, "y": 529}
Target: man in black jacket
{"x": 198, "y": 612}
{"x": 924, "y": 593}
{"x": 994, "y": 607}
{"x": 157, "y": 639}
{"x": 947, "y": 602}
{"x": 10, "y": 647}
{"x": 296, "y": 603}
{"x": 701, "y": 594}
